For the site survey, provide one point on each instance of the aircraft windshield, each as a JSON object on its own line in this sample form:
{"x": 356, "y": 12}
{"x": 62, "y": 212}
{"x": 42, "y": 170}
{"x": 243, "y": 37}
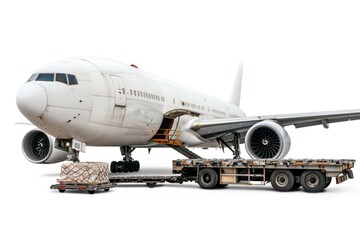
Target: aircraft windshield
{"x": 46, "y": 77}
{"x": 67, "y": 79}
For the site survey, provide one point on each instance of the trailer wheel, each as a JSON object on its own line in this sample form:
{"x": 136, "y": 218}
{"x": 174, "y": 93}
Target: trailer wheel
{"x": 106, "y": 189}
{"x": 328, "y": 182}
{"x": 113, "y": 167}
{"x": 296, "y": 186}
{"x": 282, "y": 180}
{"x": 313, "y": 181}
{"x": 91, "y": 191}
{"x": 61, "y": 190}
{"x": 208, "y": 178}
{"x": 151, "y": 185}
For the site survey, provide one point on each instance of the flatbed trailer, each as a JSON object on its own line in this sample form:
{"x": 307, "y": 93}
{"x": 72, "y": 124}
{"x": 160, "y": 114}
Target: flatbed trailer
{"x": 89, "y": 187}
{"x": 284, "y": 175}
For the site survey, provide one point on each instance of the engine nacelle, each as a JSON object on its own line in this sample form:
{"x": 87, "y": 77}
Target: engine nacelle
{"x": 267, "y": 140}
{"x": 38, "y": 147}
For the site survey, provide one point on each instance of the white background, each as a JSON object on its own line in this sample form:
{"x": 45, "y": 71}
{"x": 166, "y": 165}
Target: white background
{"x": 300, "y": 56}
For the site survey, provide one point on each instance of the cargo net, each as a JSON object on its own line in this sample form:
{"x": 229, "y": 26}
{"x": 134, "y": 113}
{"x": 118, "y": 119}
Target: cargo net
{"x": 85, "y": 172}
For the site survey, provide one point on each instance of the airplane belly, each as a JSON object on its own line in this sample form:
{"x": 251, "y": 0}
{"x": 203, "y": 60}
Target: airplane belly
{"x": 102, "y": 135}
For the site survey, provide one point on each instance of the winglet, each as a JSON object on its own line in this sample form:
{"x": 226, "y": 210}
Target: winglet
{"x": 236, "y": 92}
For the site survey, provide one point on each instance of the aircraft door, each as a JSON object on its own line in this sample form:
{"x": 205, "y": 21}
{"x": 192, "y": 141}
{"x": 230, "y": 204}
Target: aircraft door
{"x": 120, "y": 91}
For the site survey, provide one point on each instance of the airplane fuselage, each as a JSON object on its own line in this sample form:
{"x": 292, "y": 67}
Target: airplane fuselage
{"x": 114, "y": 104}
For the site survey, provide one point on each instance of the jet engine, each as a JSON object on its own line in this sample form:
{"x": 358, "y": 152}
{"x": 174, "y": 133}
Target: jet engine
{"x": 267, "y": 140}
{"x": 38, "y": 147}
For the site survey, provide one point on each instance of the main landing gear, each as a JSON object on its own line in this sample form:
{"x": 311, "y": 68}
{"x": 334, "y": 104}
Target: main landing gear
{"x": 128, "y": 164}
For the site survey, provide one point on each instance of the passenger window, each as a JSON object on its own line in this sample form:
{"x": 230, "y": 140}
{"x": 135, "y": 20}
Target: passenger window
{"x": 61, "y": 77}
{"x": 72, "y": 79}
{"x": 32, "y": 78}
{"x": 46, "y": 77}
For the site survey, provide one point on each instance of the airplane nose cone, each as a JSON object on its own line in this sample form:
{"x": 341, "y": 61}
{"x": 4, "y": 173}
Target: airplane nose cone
{"x": 31, "y": 100}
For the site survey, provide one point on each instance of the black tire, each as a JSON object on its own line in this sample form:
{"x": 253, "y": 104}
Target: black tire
{"x": 151, "y": 185}
{"x": 328, "y": 182}
{"x": 61, "y": 190}
{"x": 126, "y": 166}
{"x": 120, "y": 166}
{"x": 296, "y": 186}
{"x": 282, "y": 180}
{"x": 208, "y": 178}
{"x": 91, "y": 191}
{"x": 136, "y": 166}
{"x": 313, "y": 181}
{"x": 106, "y": 189}
{"x": 113, "y": 167}
{"x": 219, "y": 185}
{"x": 133, "y": 166}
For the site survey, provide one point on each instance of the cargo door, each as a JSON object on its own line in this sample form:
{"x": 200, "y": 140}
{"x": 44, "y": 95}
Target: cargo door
{"x": 120, "y": 91}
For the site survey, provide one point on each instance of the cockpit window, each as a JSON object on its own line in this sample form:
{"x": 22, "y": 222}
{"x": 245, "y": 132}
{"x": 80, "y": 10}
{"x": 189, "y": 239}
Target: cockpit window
{"x": 32, "y": 78}
{"x": 46, "y": 77}
{"x": 67, "y": 79}
{"x": 61, "y": 77}
{"x": 72, "y": 79}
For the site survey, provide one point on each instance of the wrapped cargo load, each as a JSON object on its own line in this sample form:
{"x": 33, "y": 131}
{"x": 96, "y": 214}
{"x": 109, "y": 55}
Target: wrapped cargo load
{"x": 84, "y": 173}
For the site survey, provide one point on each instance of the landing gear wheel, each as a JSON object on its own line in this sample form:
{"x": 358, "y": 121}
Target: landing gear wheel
{"x": 120, "y": 166}
{"x": 313, "y": 181}
{"x": 136, "y": 165}
{"x": 208, "y": 178}
{"x": 328, "y": 182}
{"x": 113, "y": 167}
{"x": 126, "y": 166}
{"x": 131, "y": 166}
{"x": 282, "y": 180}
{"x": 91, "y": 191}
{"x": 151, "y": 185}
{"x": 61, "y": 190}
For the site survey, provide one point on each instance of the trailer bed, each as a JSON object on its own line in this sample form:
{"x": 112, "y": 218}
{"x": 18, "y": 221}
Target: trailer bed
{"x": 150, "y": 181}
{"x": 281, "y": 173}
{"x": 313, "y": 175}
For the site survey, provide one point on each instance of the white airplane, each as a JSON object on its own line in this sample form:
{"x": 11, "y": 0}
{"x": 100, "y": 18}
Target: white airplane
{"x": 99, "y": 102}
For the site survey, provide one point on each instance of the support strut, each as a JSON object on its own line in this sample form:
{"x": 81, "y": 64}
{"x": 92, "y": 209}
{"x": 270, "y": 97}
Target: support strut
{"x": 126, "y": 152}
{"x": 236, "y": 145}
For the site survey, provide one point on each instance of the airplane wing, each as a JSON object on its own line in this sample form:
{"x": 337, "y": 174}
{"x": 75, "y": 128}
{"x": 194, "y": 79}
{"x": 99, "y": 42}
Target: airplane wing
{"x": 214, "y": 128}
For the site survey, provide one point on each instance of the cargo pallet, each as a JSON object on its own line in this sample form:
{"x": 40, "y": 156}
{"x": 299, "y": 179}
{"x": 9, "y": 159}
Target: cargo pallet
{"x": 284, "y": 175}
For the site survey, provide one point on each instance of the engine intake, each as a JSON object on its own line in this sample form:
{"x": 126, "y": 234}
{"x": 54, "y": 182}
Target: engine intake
{"x": 267, "y": 140}
{"x": 38, "y": 147}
